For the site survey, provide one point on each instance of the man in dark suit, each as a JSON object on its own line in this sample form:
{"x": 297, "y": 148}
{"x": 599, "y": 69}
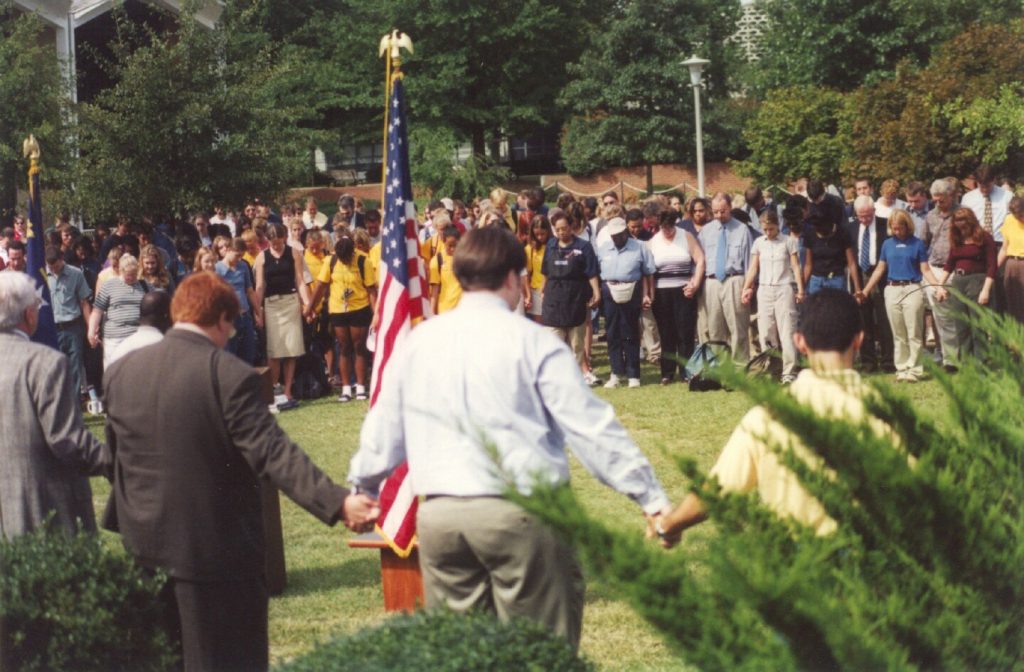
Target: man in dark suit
{"x": 191, "y": 436}
{"x": 347, "y": 210}
{"x": 867, "y": 233}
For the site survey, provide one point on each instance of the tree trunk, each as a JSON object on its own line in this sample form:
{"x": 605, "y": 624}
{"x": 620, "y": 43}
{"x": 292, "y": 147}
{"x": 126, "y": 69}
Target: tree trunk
{"x": 8, "y": 197}
{"x": 650, "y": 179}
{"x": 479, "y": 141}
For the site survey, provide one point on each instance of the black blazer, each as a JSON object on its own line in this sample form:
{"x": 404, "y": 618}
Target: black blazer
{"x": 881, "y": 233}
{"x": 191, "y": 436}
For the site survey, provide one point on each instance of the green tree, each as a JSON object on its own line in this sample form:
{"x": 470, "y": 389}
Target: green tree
{"x": 925, "y": 570}
{"x": 794, "y": 133}
{"x": 184, "y": 127}
{"x": 35, "y": 96}
{"x": 913, "y": 126}
{"x": 842, "y": 44}
{"x": 628, "y": 97}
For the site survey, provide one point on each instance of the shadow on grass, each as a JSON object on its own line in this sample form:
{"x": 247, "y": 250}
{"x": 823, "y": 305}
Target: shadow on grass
{"x": 359, "y": 573}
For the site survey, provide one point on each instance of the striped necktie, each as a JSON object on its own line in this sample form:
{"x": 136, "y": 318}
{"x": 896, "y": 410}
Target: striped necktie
{"x": 865, "y": 249}
{"x": 987, "y": 220}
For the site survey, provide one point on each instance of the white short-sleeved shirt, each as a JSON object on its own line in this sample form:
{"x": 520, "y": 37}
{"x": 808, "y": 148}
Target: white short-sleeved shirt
{"x": 774, "y": 259}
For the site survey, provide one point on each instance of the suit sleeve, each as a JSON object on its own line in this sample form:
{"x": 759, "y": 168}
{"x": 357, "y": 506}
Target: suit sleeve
{"x": 270, "y": 452}
{"x": 60, "y": 420}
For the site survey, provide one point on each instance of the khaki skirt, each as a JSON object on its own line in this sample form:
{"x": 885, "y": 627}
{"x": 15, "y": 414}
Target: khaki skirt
{"x": 283, "y": 320}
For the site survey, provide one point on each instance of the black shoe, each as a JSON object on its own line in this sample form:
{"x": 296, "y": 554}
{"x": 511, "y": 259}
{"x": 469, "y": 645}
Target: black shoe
{"x": 949, "y": 368}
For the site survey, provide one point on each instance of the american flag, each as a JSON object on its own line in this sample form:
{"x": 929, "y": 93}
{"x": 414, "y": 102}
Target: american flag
{"x": 404, "y": 301}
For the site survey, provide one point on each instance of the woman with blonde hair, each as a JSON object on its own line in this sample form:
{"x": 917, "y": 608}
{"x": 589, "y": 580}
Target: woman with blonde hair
{"x": 153, "y": 271}
{"x": 903, "y": 262}
{"x": 888, "y": 202}
{"x": 206, "y": 260}
{"x": 118, "y": 301}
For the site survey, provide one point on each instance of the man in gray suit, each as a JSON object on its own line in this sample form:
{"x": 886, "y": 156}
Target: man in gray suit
{"x": 45, "y": 450}
{"x": 191, "y": 436}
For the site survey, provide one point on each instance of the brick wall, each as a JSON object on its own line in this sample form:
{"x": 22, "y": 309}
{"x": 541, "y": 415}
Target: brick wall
{"x": 717, "y": 177}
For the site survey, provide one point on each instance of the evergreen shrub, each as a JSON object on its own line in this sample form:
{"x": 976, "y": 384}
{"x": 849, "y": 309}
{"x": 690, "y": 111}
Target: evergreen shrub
{"x": 926, "y": 570}
{"x": 442, "y": 641}
{"x": 66, "y": 603}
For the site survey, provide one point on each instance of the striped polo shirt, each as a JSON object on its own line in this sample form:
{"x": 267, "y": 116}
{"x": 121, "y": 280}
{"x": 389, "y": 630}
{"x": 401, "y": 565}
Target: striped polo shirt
{"x": 120, "y": 302}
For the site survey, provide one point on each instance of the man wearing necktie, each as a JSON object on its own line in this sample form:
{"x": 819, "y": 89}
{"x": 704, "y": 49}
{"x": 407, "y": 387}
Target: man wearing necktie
{"x": 867, "y": 232}
{"x": 726, "y": 242}
{"x": 990, "y": 204}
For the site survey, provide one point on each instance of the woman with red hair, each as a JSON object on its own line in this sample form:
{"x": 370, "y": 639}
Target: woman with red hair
{"x": 970, "y": 269}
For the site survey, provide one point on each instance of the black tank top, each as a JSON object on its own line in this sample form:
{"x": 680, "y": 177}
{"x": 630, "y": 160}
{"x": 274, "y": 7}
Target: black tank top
{"x": 279, "y": 274}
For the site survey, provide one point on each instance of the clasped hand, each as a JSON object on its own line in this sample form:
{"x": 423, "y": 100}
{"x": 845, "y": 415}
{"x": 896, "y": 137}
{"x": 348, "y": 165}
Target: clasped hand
{"x": 360, "y": 512}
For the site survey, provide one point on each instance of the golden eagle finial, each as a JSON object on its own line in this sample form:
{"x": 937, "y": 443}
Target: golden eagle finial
{"x": 396, "y": 40}
{"x": 31, "y": 148}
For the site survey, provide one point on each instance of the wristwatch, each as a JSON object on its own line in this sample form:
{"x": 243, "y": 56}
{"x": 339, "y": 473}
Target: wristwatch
{"x": 659, "y": 530}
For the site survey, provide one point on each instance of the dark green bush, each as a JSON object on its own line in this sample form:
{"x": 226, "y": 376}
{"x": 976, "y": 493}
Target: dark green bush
{"x": 66, "y": 603}
{"x": 441, "y": 641}
{"x": 925, "y": 571}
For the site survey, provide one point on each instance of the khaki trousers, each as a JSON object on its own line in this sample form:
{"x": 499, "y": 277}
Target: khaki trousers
{"x": 650, "y": 338}
{"x": 945, "y": 323}
{"x": 575, "y": 338}
{"x": 905, "y": 307}
{"x": 728, "y": 317}
{"x": 776, "y": 316}
{"x": 487, "y": 553}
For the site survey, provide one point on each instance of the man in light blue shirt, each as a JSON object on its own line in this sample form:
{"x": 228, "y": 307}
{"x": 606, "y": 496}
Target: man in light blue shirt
{"x": 727, "y": 242}
{"x": 627, "y": 284}
{"x": 510, "y": 403}
{"x": 69, "y": 294}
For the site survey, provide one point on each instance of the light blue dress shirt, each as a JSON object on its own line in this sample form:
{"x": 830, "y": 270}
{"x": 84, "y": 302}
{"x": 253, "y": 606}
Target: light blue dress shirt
{"x": 628, "y": 264}
{"x": 739, "y": 239}
{"x": 517, "y": 393}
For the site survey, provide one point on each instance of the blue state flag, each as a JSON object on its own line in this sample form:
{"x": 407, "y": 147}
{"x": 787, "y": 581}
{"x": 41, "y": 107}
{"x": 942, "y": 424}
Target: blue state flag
{"x": 46, "y": 332}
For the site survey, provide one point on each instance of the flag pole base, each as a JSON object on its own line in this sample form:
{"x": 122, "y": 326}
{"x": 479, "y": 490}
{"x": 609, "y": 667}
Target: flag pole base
{"x": 401, "y": 580}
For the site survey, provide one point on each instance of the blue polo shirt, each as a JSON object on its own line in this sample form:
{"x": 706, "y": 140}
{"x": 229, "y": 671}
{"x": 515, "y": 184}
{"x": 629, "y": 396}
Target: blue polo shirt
{"x": 903, "y": 258}
{"x": 628, "y": 264}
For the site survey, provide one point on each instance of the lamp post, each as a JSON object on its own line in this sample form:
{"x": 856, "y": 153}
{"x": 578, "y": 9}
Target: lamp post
{"x": 696, "y": 66}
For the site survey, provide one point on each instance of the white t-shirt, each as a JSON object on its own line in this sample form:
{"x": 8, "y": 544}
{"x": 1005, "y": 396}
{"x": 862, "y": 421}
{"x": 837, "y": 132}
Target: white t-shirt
{"x": 671, "y": 259}
{"x": 774, "y": 259}
{"x": 882, "y": 210}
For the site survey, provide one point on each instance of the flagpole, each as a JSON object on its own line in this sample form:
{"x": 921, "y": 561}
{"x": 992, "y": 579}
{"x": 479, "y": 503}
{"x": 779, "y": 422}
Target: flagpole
{"x": 387, "y": 118}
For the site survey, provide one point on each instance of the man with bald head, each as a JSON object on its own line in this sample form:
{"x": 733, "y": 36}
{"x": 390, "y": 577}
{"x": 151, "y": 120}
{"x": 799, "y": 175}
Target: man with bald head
{"x": 726, "y": 242}
{"x": 866, "y": 232}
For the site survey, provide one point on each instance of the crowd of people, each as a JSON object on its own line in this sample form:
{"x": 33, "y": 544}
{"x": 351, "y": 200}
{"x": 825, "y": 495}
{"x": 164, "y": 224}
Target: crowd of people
{"x": 661, "y": 274}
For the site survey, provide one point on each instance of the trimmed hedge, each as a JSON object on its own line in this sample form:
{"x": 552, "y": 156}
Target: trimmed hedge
{"x": 442, "y": 641}
{"x": 66, "y": 603}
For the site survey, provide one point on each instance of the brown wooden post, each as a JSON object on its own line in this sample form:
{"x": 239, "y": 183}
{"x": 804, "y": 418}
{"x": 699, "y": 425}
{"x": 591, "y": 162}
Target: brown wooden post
{"x": 401, "y": 580}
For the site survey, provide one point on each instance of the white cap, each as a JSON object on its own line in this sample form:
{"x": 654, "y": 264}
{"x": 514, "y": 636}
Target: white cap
{"x": 448, "y": 203}
{"x": 615, "y": 226}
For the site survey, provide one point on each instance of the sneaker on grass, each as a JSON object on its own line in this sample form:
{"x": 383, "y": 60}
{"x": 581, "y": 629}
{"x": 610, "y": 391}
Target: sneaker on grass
{"x": 613, "y": 381}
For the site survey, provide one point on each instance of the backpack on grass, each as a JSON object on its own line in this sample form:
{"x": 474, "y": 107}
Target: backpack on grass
{"x": 706, "y": 357}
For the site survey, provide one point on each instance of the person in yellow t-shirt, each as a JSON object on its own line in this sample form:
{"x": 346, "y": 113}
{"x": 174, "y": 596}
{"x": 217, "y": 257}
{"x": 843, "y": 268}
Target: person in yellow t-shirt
{"x": 1012, "y": 255}
{"x": 445, "y": 290}
{"x": 315, "y": 255}
{"x": 830, "y": 334}
{"x": 252, "y": 247}
{"x": 430, "y": 247}
{"x": 353, "y": 292}
{"x": 540, "y": 234}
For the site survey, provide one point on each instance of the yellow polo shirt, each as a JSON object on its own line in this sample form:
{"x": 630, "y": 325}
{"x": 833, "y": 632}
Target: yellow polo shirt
{"x": 441, "y": 273}
{"x": 747, "y": 462}
{"x": 313, "y": 262}
{"x": 349, "y": 288}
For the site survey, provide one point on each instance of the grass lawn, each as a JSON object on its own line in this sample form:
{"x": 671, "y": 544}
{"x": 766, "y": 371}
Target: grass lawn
{"x": 334, "y": 589}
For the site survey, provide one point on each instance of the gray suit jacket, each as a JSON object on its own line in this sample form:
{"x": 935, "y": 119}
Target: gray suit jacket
{"x": 45, "y": 449}
{"x": 191, "y": 436}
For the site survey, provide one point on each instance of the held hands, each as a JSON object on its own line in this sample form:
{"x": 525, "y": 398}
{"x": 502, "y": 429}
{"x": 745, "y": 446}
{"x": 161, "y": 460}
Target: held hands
{"x": 689, "y": 291}
{"x": 94, "y": 340}
{"x": 359, "y": 512}
{"x": 800, "y": 296}
{"x": 860, "y": 296}
{"x": 655, "y": 529}
{"x": 594, "y": 300}
{"x": 748, "y": 294}
{"x": 647, "y": 302}
{"x": 941, "y": 294}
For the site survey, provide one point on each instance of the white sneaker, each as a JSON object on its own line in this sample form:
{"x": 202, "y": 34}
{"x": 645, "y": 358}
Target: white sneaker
{"x": 590, "y": 379}
{"x": 634, "y": 382}
{"x": 613, "y": 381}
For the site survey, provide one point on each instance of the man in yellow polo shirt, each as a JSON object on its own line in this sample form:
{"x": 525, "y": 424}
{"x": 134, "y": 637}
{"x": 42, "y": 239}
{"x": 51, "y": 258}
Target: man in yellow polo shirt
{"x": 830, "y": 335}
{"x": 445, "y": 290}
